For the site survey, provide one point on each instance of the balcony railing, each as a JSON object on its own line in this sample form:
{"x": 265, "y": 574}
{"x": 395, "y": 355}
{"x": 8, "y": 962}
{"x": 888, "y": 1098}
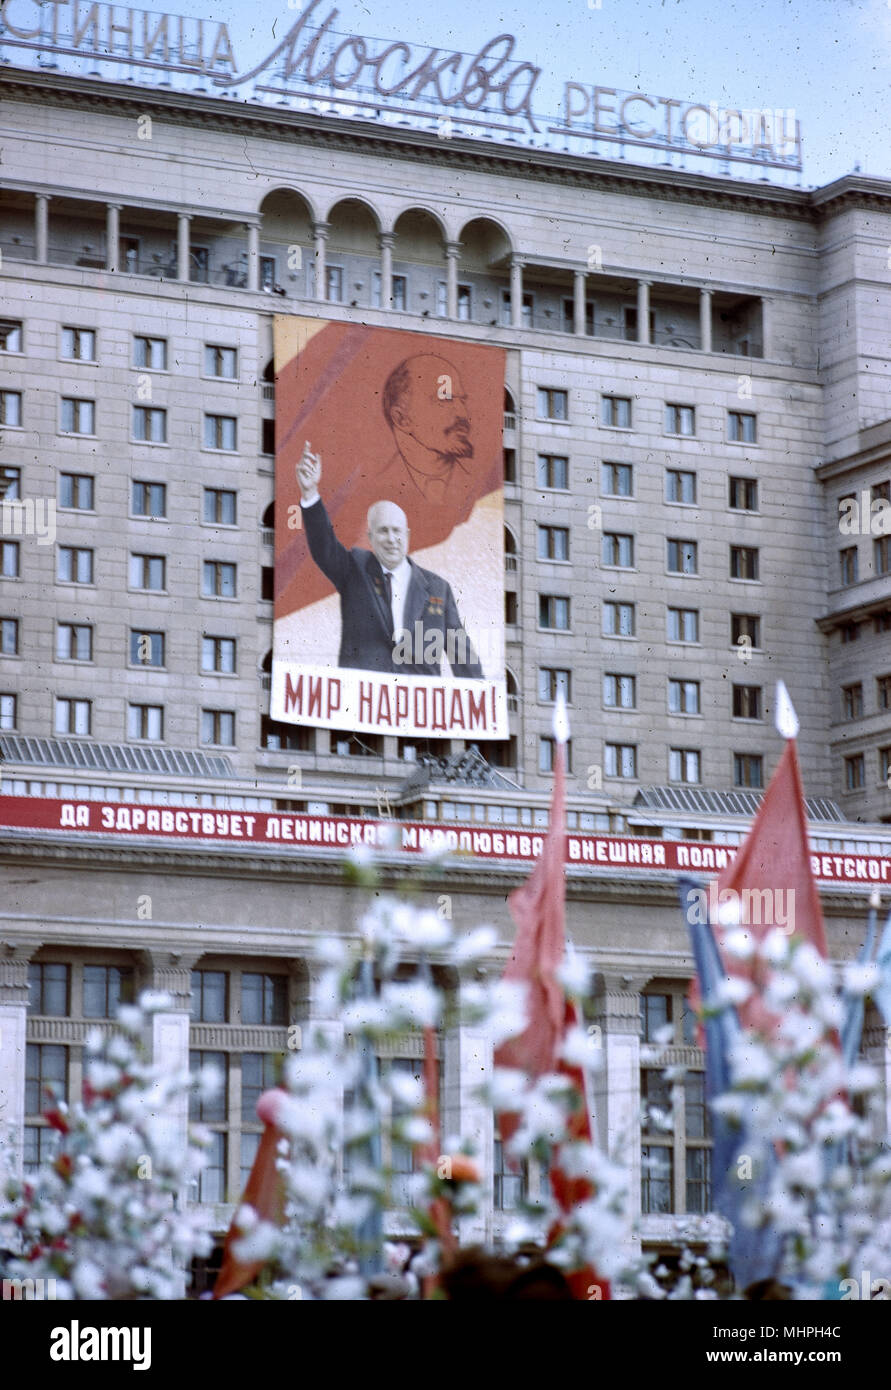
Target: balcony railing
{"x": 510, "y": 420}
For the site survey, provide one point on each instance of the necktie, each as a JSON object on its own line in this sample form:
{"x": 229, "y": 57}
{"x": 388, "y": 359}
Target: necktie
{"x": 388, "y": 590}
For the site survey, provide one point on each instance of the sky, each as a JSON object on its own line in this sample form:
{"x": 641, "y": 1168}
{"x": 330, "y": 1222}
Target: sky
{"x": 829, "y": 61}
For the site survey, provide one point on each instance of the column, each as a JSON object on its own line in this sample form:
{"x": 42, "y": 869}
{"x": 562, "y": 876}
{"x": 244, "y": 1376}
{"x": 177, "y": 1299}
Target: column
{"x": 183, "y": 264}
{"x": 253, "y": 256}
{"x": 617, "y": 1083}
{"x": 516, "y": 292}
{"x": 766, "y": 328}
{"x": 41, "y": 228}
{"x": 705, "y": 320}
{"x": 320, "y": 234}
{"x": 643, "y": 311}
{"x": 386, "y": 240}
{"x": 452, "y": 253}
{"x": 112, "y": 235}
{"x": 171, "y": 973}
{"x": 13, "y": 1017}
{"x": 467, "y": 1065}
{"x": 578, "y": 303}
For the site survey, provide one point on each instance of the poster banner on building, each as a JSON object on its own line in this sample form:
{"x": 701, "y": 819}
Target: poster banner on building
{"x": 389, "y": 532}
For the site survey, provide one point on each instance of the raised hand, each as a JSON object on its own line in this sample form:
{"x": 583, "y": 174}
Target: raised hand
{"x": 309, "y": 471}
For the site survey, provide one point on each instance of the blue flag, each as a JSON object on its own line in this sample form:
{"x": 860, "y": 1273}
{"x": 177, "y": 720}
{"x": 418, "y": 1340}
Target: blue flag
{"x": 883, "y": 961}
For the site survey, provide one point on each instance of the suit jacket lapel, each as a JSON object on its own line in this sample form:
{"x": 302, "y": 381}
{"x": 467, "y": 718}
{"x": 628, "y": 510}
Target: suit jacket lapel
{"x": 416, "y": 598}
{"x": 375, "y": 579}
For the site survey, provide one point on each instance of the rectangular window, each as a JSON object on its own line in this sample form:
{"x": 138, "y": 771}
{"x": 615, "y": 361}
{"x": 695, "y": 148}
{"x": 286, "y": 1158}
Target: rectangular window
{"x": 149, "y": 499}
{"x": 745, "y": 630}
{"x": 218, "y": 579}
{"x": 77, "y": 416}
{"x": 79, "y": 344}
{"x": 106, "y": 988}
{"x": 748, "y": 770}
{"x": 527, "y": 309}
{"x": 747, "y": 702}
{"x": 616, "y": 479}
{"x": 620, "y": 760}
{"x": 552, "y": 472}
{"x": 553, "y": 612}
{"x": 74, "y": 565}
{"x": 7, "y": 711}
{"x": 220, "y": 432}
{"x": 742, "y": 494}
{"x": 740, "y": 427}
{"x": 210, "y": 996}
{"x": 219, "y": 506}
{"x": 852, "y": 701}
{"x": 684, "y": 765}
{"x": 74, "y": 642}
{"x": 149, "y": 425}
{"x": 855, "y": 772}
{"x": 885, "y": 766}
{"x": 150, "y": 354}
{"x": 656, "y": 1179}
{"x": 10, "y": 335}
{"x": 682, "y": 557}
{"x": 145, "y": 722}
{"x": 465, "y": 303}
{"x": 218, "y": 728}
{"x": 618, "y": 619}
{"x": 334, "y": 283}
{"x": 267, "y": 436}
{"x": 551, "y": 681}
{"x": 680, "y": 486}
{"x": 881, "y": 549}
{"x": 264, "y": 998}
{"x": 883, "y": 692}
{"x": 682, "y": 625}
{"x": 146, "y": 648}
{"x": 46, "y": 1076}
{"x": 218, "y": 654}
{"x": 76, "y": 491}
{"x": 148, "y": 572}
{"x": 683, "y": 697}
{"x": 617, "y": 550}
{"x": 569, "y": 316}
{"x": 680, "y": 419}
{"x": 880, "y": 492}
{"x": 258, "y": 1073}
{"x": 267, "y": 274}
{"x": 553, "y": 543}
{"x": 11, "y": 408}
{"x": 655, "y": 1015}
{"x": 510, "y": 1181}
{"x": 743, "y": 562}
{"x": 72, "y": 716}
{"x": 49, "y": 986}
{"x": 398, "y": 294}
{"x": 220, "y": 361}
{"x": 211, "y": 1181}
{"x": 547, "y": 752}
{"x": 552, "y": 404}
{"x": 619, "y": 691}
{"x": 615, "y": 411}
{"x": 213, "y": 1109}
{"x": 9, "y": 636}
{"x": 849, "y": 565}
{"x": 9, "y": 555}
{"x": 10, "y": 483}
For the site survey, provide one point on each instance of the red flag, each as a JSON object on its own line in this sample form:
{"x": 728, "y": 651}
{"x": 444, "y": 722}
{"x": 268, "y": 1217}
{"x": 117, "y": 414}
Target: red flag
{"x": 265, "y": 1192}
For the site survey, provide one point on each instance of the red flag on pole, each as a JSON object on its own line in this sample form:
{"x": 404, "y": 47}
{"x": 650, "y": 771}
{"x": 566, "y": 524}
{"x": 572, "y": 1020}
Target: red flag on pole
{"x": 265, "y": 1192}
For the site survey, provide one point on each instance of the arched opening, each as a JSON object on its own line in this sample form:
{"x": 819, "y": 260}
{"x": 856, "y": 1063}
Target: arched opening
{"x": 510, "y": 551}
{"x": 513, "y": 691}
{"x": 352, "y": 253}
{"x": 267, "y": 523}
{"x": 286, "y": 243}
{"x": 419, "y": 277}
{"x": 484, "y": 271}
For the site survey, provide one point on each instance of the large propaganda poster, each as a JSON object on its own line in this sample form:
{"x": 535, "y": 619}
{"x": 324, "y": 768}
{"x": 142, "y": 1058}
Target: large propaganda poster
{"x": 389, "y": 532}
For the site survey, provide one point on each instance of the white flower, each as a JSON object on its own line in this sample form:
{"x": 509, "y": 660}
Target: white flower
{"x": 130, "y": 1018}
{"x": 258, "y": 1244}
{"x": 508, "y": 1017}
{"x": 407, "y": 1090}
{"x": 860, "y": 979}
{"x": 474, "y": 945}
{"x": 574, "y": 973}
{"x": 414, "y": 1002}
{"x": 88, "y": 1280}
{"x": 153, "y": 1001}
{"x": 507, "y": 1089}
{"x": 414, "y": 1129}
{"x": 740, "y": 943}
{"x": 581, "y": 1049}
{"x": 775, "y": 947}
{"x": 804, "y": 1170}
{"x": 810, "y": 967}
{"x": 732, "y": 990}
{"x": 427, "y": 931}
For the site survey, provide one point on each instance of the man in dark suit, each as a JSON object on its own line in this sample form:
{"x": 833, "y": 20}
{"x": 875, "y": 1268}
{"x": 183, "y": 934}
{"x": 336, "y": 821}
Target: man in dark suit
{"x": 395, "y": 616}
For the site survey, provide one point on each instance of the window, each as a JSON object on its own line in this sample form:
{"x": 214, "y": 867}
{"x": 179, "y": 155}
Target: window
{"x": 77, "y": 416}
{"x": 398, "y": 295}
{"x": 219, "y": 506}
{"x": 676, "y": 1138}
{"x": 10, "y": 335}
{"x": 510, "y": 1180}
{"x": 680, "y": 419}
{"x": 849, "y": 632}
{"x": 615, "y": 411}
{"x": 619, "y": 692}
{"x": 885, "y": 766}
{"x": 10, "y": 483}
{"x": 267, "y": 436}
{"x": 76, "y": 491}
{"x": 213, "y": 1109}
{"x": 218, "y": 654}
{"x": 9, "y": 554}
{"x": 747, "y": 702}
{"x": 148, "y": 499}
{"x": 218, "y": 727}
{"x": 267, "y": 274}
{"x": 74, "y": 642}
{"x": 285, "y": 736}
{"x": 855, "y": 772}
{"x": 220, "y": 361}
{"x": 46, "y": 1075}
{"x": 848, "y": 565}
{"x": 106, "y": 988}
{"x": 72, "y": 716}
{"x": 553, "y": 543}
{"x": 510, "y": 608}
{"x": 148, "y": 572}
{"x": 150, "y": 354}
{"x": 146, "y": 648}
{"x": 552, "y": 472}
{"x": 569, "y": 316}
{"x": 74, "y": 565}
{"x": 684, "y": 765}
{"x": 740, "y": 427}
{"x": 616, "y": 479}
{"x": 620, "y": 760}
{"x": 551, "y": 681}
{"x": 258, "y": 1073}
{"x": 618, "y": 619}
{"x": 748, "y": 770}
{"x": 79, "y": 344}
{"x": 149, "y": 425}
{"x": 9, "y": 636}
{"x": 881, "y": 549}
{"x": 742, "y": 494}
{"x": 553, "y": 612}
{"x": 629, "y": 314}
{"x": 852, "y": 701}
{"x": 617, "y": 550}
{"x": 680, "y": 486}
{"x": 211, "y": 1181}
{"x": 880, "y": 492}
{"x": 49, "y": 986}
{"x": 220, "y": 432}
{"x": 264, "y": 998}
{"x": 527, "y": 309}
{"x": 745, "y": 630}
{"x": 743, "y": 562}
{"x": 218, "y": 579}
{"x": 210, "y": 996}
{"x": 883, "y": 692}
{"x": 345, "y": 745}
{"x": 334, "y": 283}
{"x": 7, "y": 711}
{"x": 683, "y": 625}
{"x": 145, "y": 722}
{"x": 510, "y": 465}
{"x": 11, "y": 408}
{"x": 682, "y": 557}
{"x": 547, "y": 752}
{"x": 552, "y": 404}
{"x": 683, "y": 697}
